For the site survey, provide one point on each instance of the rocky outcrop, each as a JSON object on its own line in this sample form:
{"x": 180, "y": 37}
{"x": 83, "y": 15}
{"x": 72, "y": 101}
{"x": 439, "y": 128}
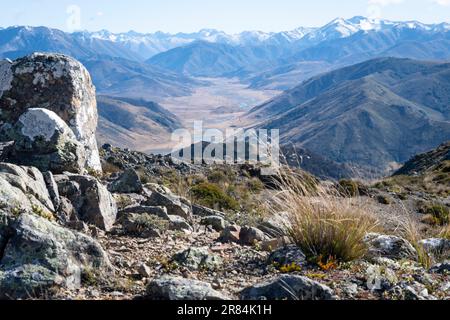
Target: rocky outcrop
{"x": 57, "y": 83}
{"x": 23, "y": 188}
{"x": 91, "y": 200}
{"x": 175, "y": 205}
{"x": 43, "y": 140}
{"x": 38, "y": 256}
{"x": 128, "y": 182}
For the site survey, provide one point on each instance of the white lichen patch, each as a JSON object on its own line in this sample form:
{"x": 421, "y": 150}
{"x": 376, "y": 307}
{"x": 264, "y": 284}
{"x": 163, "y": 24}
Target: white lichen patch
{"x": 42, "y": 123}
{"x": 6, "y": 76}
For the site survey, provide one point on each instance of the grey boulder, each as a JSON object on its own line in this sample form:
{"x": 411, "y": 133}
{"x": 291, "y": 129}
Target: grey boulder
{"x": 389, "y": 247}
{"x": 64, "y": 86}
{"x": 39, "y": 255}
{"x": 93, "y": 203}
{"x": 128, "y": 182}
{"x": 288, "y": 287}
{"x": 44, "y": 140}
{"x": 176, "y": 289}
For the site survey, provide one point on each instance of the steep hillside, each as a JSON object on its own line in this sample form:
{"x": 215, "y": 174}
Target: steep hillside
{"x": 131, "y": 123}
{"x": 428, "y": 162}
{"x": 214, "y": 59}
{"x": 378, "y": 113}
{"x": 125, "y": 78}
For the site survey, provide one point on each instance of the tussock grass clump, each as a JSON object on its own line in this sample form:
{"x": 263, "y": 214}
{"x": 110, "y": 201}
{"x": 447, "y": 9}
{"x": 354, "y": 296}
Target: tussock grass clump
{"x": 411, "y": 232}
{"x": 327, "y": 227}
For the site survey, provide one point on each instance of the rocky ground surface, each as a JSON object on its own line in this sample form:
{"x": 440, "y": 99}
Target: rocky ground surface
{"x": 143, "y": 227}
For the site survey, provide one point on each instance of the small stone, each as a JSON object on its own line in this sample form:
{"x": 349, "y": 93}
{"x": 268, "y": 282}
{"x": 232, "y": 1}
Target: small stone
{"x": 217, "y": 223}
{"x": 230, "y": 234}
{"x": 250, "y": 236}
{"x": 197, "y": 259}
{"x": 144, "y": 271}
{"x": 287, "y": 256}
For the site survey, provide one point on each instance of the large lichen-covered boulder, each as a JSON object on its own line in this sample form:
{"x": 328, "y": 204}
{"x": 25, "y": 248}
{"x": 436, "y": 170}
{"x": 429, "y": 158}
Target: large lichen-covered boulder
{"x": 55, "y": 82}
{"x": 23, "y": 188}
{"x": 91, "y": 200}
{"x": 43, "y": 140}
{"x": 39, "y": 256}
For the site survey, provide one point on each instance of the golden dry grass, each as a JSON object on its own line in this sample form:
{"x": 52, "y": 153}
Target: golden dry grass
{"x": 324, "y": 225}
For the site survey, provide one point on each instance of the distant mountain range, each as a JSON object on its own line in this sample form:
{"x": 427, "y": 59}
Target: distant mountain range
{"x": 266, "y": 63}
{"x": 264, "y": 60}
{"x": 374, "y": 115}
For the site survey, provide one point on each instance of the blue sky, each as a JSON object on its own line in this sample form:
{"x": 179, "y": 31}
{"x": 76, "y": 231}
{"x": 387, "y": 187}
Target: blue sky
{"x": 228, "y": 15}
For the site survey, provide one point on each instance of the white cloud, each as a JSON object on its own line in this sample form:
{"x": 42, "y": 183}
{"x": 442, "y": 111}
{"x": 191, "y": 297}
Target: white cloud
{"x": 442, "y": 2}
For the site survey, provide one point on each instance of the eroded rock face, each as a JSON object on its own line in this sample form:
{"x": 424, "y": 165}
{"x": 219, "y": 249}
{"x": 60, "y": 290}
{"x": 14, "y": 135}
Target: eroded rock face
{"x": 23, "y": 188}
{"x": 43, "y": 140}
{"x": 39, "y": 255}
{"x": 91, "y": 200}
{"x": 55, "y": 82}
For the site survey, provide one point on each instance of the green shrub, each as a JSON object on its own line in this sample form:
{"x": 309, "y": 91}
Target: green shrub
{"x": 349, "y": 188}
{"x": 213, "y": 196}
{"x": 438, "y": 214}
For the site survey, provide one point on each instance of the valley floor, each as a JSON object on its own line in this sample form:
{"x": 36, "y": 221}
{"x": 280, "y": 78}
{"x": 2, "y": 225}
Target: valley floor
{"x": 219, "y": 105}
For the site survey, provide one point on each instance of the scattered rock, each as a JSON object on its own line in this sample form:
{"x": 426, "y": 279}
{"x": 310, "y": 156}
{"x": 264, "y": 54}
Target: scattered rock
{"x": 436, "y": 245}
{"x": 198, "y": 259}
{"x": 274, "y": 244}
{"x": 443, "y": 268}
{"x": 250, "y": 236}
{"x": 157, "y": 211}
{"x": 287, "y": 256}
{"x": 206, "y": 212}
{"x": 128, "y": 182}
{"x": 230, "y": 234}
{"x": 216, "y": 222}
{"x": 176, "y": 206}
{"x": 288, "y": 287}
{"x": 390, "y": 247}
{"x": 272, "y": 229}
{"x": 175, "y": 288}
{"x": 180, "y": 224}
{"x": 64, "y": 87}
{"x": 144, "y": 271}
{"x": 91, "y": 200}
{"x": 143, "y": 225}
{"x": 380, "y": 278}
